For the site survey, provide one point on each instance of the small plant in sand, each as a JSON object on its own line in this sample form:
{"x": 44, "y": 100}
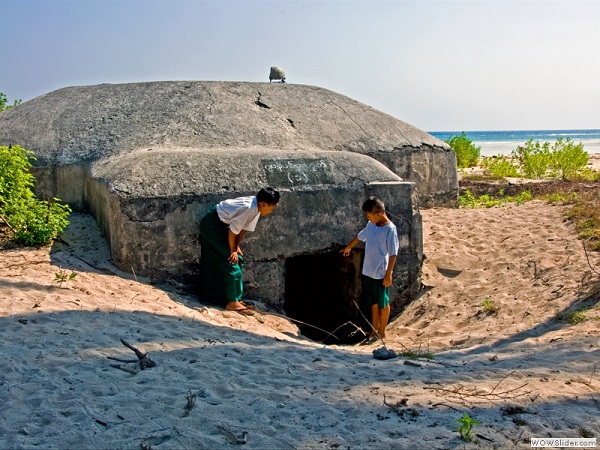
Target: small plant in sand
{"x": 585, "y": 433}
{"x": 191, "y": 402}
{"x": 62, "y": 277}
{"x": 585, "y": 214}
{"x": 412, "y": 354}
{"x": 468, "y": 200}
{"x": 560, "y": 197}
{"x": 574, "y": 317}
{"x": 523, "y": 197}
{"x": 466, "y": 427}
{"x": 489, "y": 307}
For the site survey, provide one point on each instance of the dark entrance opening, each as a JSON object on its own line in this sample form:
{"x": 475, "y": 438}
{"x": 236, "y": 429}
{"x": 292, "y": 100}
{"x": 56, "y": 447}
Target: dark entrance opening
{"x": 323, "y": 290}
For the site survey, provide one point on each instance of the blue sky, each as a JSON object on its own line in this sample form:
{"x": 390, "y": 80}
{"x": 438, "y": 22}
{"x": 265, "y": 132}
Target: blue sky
{"x": 439, "y": 65}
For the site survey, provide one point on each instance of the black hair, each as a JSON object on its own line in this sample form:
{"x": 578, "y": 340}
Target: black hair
{"x": 268, "y": 195}
{"x": 373, "y": 205}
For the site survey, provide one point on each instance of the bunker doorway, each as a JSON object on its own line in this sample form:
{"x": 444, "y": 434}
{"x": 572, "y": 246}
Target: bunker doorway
{"x": 322, "y": 291}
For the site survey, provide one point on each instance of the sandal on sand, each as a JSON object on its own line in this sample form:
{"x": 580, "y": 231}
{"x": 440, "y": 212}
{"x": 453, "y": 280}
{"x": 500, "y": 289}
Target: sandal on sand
{"x": 242, "y": 311}
{"x": 247, "y": 304}
{"x": 370, "y": 340}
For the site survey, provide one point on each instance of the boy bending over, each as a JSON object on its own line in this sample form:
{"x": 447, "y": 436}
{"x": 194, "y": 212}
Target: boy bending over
{"x": 221, "y": 231}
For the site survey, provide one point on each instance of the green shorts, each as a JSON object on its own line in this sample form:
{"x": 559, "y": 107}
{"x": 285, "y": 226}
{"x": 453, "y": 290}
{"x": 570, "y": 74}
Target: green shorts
{"x": 374, "y": 292}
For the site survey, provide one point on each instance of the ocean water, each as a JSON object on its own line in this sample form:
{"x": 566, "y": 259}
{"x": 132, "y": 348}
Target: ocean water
{"x": 504, "y": 142}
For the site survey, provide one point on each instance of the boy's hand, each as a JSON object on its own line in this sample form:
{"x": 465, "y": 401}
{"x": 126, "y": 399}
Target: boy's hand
{"x": 233, "y": 258}
{"x": 387, "y": 280}
{"x": 346, "y": 251}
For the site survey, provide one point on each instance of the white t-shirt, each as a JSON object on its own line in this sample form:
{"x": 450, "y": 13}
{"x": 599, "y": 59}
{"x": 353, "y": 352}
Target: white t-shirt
{"x": 380, "y": 244}
{"x": 239, "y": 213}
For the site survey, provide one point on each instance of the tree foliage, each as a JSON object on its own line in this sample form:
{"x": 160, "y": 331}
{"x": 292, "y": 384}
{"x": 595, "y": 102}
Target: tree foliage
{"x": 467, "y": 153}
{"x": 31, "y": 221}
{"x": 4, "y": 105}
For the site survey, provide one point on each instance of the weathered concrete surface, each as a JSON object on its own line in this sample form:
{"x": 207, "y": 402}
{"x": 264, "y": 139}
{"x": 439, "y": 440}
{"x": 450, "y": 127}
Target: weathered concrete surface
{"x": 79, "y": 124}
{"x": 152, "y": 222}
{"x": 148, "y": 159}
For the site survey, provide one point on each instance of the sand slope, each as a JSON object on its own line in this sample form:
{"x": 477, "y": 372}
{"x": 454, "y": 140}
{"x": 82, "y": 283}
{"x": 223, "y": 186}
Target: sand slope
{"x": 255, "y": 380}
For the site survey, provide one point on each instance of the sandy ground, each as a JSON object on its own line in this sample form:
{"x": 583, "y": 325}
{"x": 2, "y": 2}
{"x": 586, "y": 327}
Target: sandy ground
{"x": 255, "y": 382}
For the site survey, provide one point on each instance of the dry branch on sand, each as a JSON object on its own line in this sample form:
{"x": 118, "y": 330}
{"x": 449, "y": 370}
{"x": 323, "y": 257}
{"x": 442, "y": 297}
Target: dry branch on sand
{"x": 466, "y": 395}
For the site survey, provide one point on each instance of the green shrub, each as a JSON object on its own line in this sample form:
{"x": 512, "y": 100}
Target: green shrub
{"x": 523, "y": 197}
{"x": 574, "y": 317}
{"x": 31, "y": 221}
{"x": 534, "y": 159}
{"x": 559, "y": 197}
{"x": 586, "y": 174}
{"x": 501, "y": 167}
{"x": 4, "y": 102}
{"x": 567, "y": 158}
{"x": 467, "y": 154}
{"x": 468, "y": 200}
{"x": 584, "y": 212}
{"x": 563, "y": 160}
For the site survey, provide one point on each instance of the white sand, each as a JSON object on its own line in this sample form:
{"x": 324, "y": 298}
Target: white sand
{"x": 255, "y": 375}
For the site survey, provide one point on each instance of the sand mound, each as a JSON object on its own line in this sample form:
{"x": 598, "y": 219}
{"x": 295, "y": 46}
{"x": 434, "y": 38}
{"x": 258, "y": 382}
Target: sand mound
{"x": 222, "y": 379}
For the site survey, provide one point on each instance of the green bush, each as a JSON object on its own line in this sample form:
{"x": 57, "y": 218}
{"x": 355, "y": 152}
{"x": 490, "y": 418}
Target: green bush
{"x": 534, "y": 159}
{"x": 31, "y": 221}
{"x": 467, "y": 154}
{"x": 567, "y": 158}
{"x": 586, "y": 174}
{"x": 4, "y": 102}
{"x": 468, "y": 200}
{"x": 501, "y": 167}
{"x": 563, "y": 159}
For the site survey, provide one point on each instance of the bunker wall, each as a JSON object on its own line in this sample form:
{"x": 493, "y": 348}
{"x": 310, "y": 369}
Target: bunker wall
{"x": 159, "y": 237}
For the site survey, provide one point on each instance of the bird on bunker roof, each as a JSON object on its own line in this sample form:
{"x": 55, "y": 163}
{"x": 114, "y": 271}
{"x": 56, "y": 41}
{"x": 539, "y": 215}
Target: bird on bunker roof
{"x": 277, "y": 74}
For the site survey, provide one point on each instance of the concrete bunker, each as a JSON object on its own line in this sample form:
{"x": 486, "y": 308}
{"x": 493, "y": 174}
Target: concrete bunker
{"x": 147, "y": 160}
{"x": 320, "y": 208}
{"x": 151, "y": 219}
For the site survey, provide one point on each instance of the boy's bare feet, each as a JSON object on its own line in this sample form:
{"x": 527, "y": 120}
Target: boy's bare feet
{"x": 239, "y": 307}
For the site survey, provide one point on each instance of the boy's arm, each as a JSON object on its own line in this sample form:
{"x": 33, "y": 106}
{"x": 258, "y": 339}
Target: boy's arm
{"x": 346, "y": 250}
{"x": 238, "y": 240}
{"x": 233, "y": 246}
{"x": 387, "y": 279}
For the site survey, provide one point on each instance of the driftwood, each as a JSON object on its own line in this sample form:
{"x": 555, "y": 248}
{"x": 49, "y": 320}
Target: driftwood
{"x": 462, "y": 394}
{"x": 143, "y": 361}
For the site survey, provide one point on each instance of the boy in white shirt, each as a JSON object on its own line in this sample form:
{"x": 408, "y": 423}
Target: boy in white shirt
{"x": 381, "y": 247}
{"x": 221, "y": 260}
